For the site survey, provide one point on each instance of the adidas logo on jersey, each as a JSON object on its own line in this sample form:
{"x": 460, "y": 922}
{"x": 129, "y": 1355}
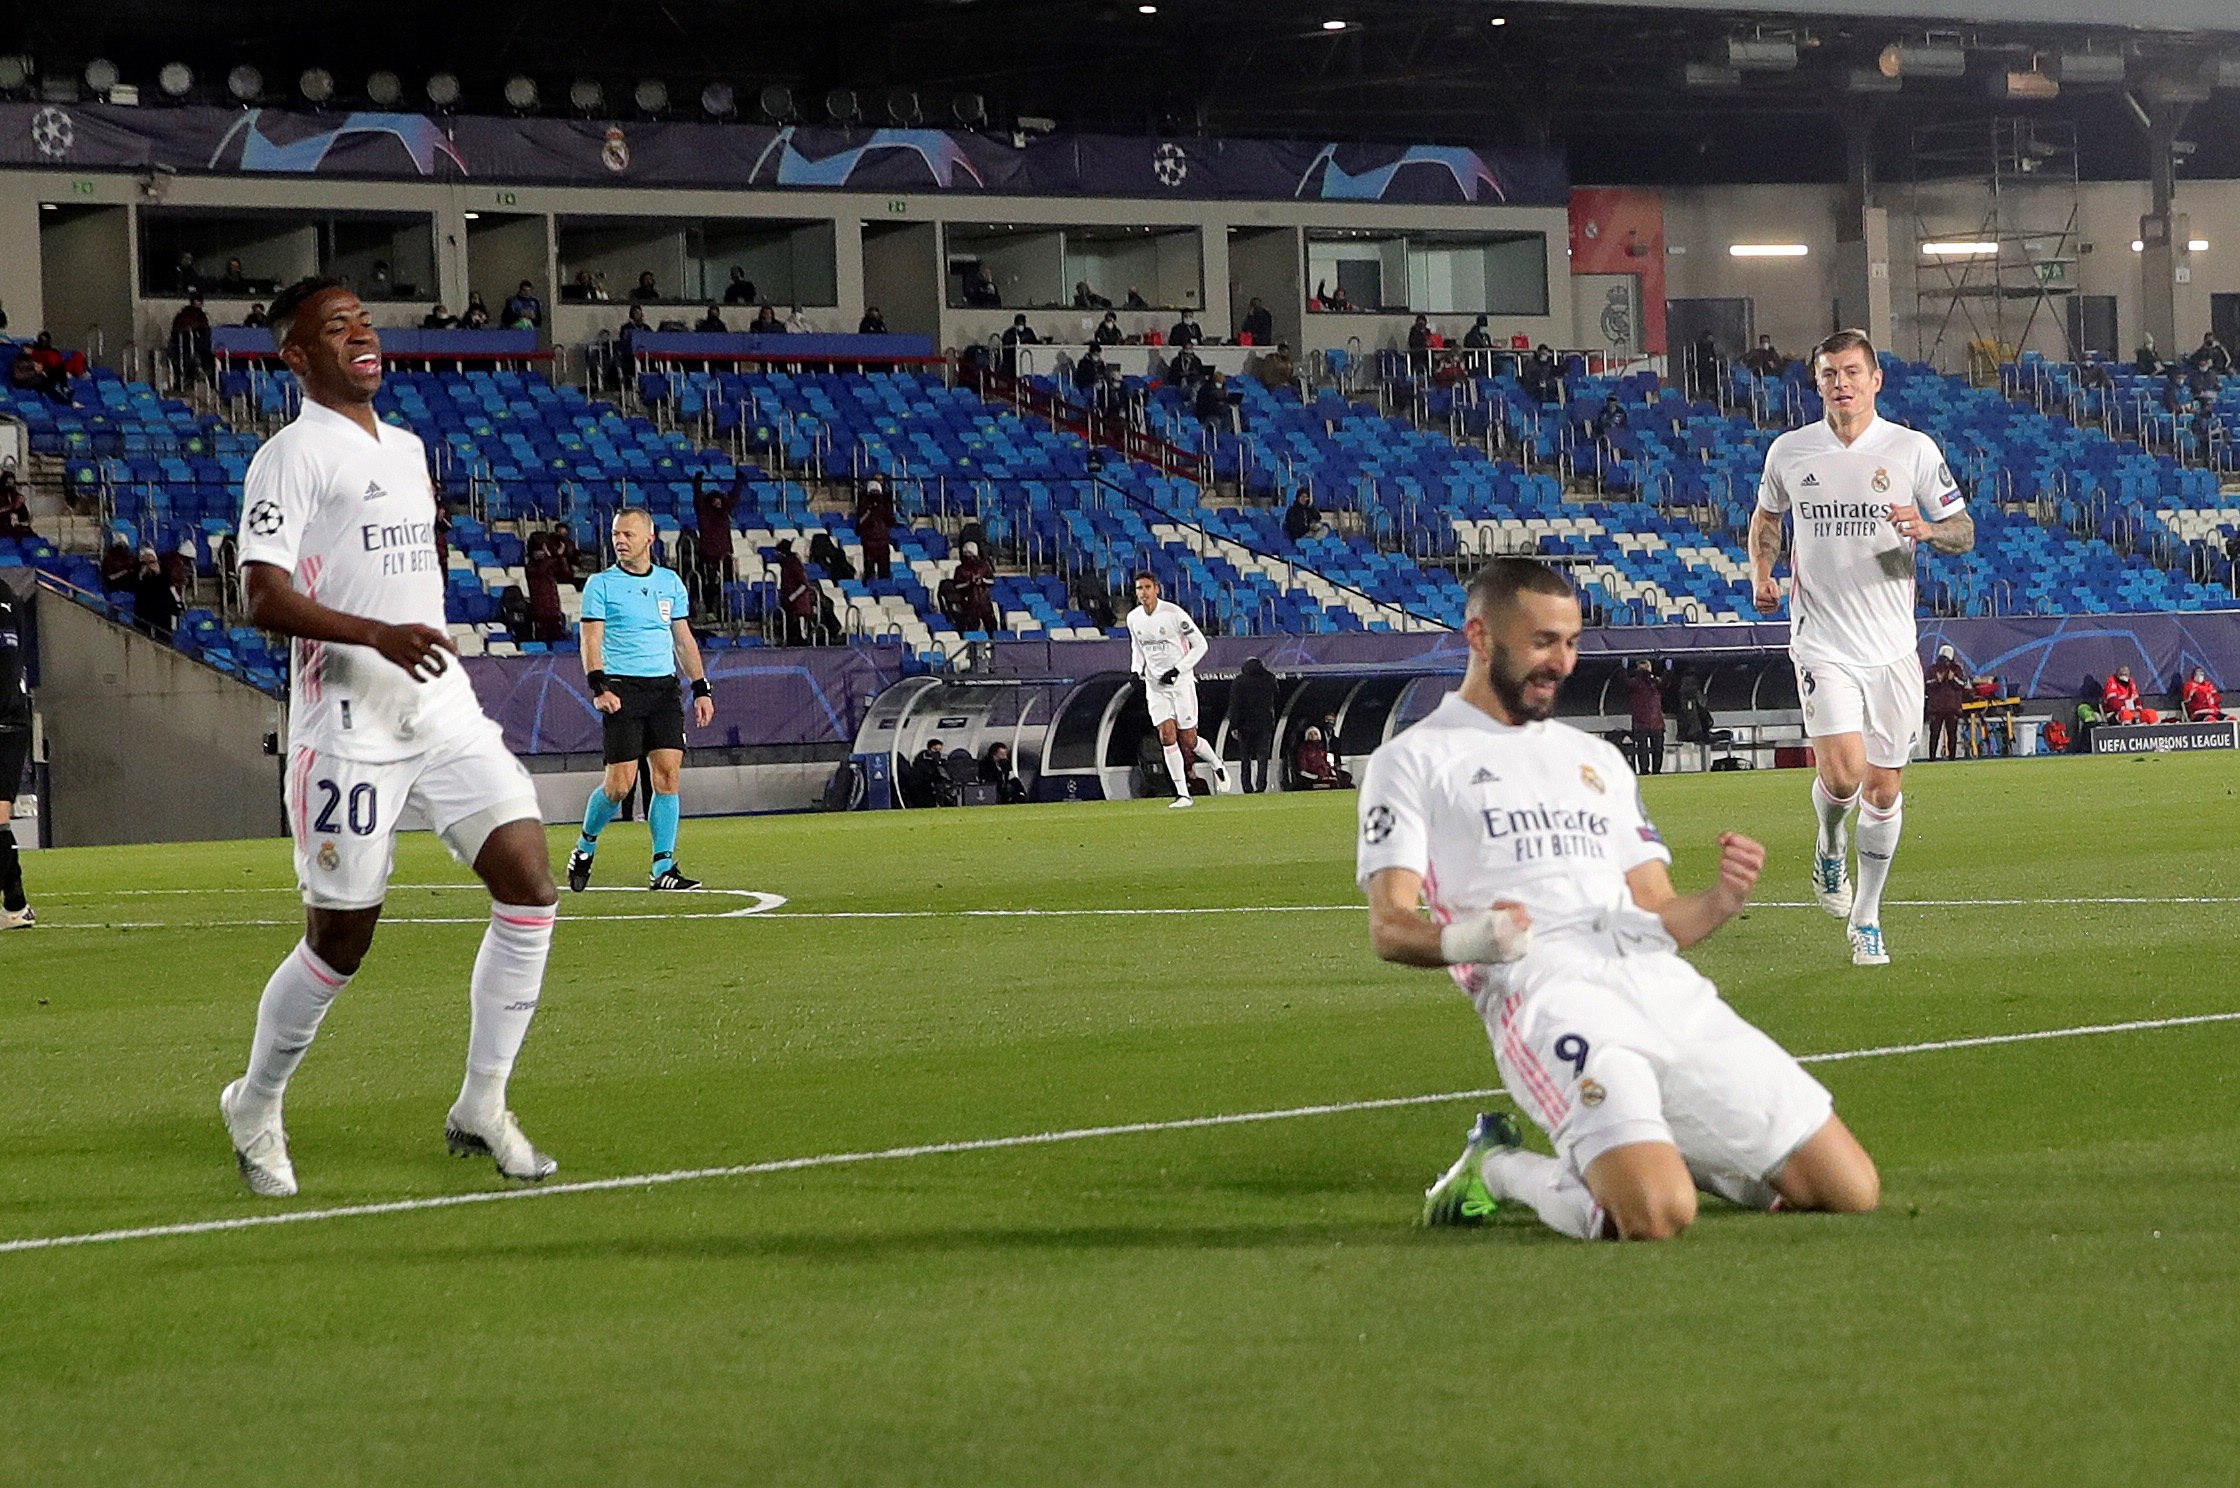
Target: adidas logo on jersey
{"x": 1485, "y": 777}
{"x": 374, "y": 491}
{"x": 1809, "y": 479}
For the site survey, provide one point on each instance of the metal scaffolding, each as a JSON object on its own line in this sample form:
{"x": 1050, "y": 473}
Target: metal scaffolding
{"x": 1999, "y": 199}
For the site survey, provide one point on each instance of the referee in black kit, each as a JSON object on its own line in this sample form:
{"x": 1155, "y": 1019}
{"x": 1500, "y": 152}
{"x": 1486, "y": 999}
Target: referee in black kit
{"x": 637, "y": 621}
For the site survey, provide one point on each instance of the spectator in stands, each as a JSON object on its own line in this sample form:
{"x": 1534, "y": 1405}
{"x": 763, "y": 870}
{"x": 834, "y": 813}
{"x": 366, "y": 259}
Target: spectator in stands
{"x": 184, "y": 279}
{"x": 546, "y": 569}
{"x": 831, "y": 558}
{"x": 235, "y": 280}
{"x": 797, "y": 595}
{"x": 1302, "y": 519}
{"x": 1186, "y": 332}
{"x": 1419, "y": 334}
{"x": 155, "y": 604}
{"x": 1088, "y": 371}
{"x": 588, "y": 287}
{"x": 2199, "y": 701}
{"x": 975, "y": 581}
{"x": 15, "y": 511}
{"x": 766, "y": 322}
{"x": 44, "y": 367}
{"x": 2175, "y": 397}
{"x": 1541, "y": 374}
{"x": 1276, "y": 369}
{"x": 799, "y": 323}
{"x": 1085, "y": 298}
{"x": 1946, "y": 687}
{"x": 1478, "y": 337}
{"x": 980, "y": 290}
{"x": 1020, "y": 334}
{"x": 1092, "y": 599}
{"x": 1252, "y": 721}
{"x": 2145, "y": 359}
{"x": 522, "y": 305}
{"x": 1313, "y": 769}
{"x": 2092, "y": 373}
{"x": 2208, "y": 429}
{"x": 476, "y": 317}
{"x": 873, "y": 323}
{"x": 712, "y": 505}
{"x": 2211, "y": 356}
{"x": 1108, "y": 330}
{"x": 255, "y": 320}
{"x": 120, "y": 566}
{"x": 874, "y": 519}
{"x": 2232, "y": 550}
{"x": 1645, "y": 705}
{"x": 996, "y": 770}
{"x": 1212, "y": 405}
{"x": 1259, "y": 324}
{"x": 1609, "y": 420}
{"x": 626, "y": 341}
{"x": 711, "y": 321}
{"x": 438, "y": 319}
{"x": 2120, "y": 700}
{"x": 1184, "y": 368}
{"x": 381, "y": 283}
{"x": 190, "y": 341}
{"x": 1705, "y": 366}
{"x": 740, "y": 291}
{"x": 3, "y": 315}
{"x": 1135, "y": 300}
{"x": 1764, "y": 360}
{"x": 645, "y": 289}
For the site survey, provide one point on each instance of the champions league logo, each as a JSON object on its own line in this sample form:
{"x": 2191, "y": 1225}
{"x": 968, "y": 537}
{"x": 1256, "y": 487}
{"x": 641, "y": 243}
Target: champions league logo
{"x": 265, "y": 518}
{"x": 1170, "y": 165}
{"x": 53, "y": 133}
{"x": 261, "y": 141}
{"x": 1474, "y": 180}
{"x": 1378, "y": 825}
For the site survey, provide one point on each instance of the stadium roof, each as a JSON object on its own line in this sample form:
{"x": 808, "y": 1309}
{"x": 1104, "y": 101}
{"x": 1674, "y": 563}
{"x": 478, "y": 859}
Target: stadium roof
{"x": 1608, "y": 82}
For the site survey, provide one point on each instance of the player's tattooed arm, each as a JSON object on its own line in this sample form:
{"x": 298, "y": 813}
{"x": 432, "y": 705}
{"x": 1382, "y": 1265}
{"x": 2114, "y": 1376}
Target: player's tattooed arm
{"x": 274, "y": 605}
{"x": 1691, "y": 918}
{"x": 1955, "y": 534}
{"x": 1765, "y": 551}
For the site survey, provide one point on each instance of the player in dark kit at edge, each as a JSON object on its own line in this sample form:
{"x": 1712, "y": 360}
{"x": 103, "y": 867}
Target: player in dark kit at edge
{"x": 15, "y": 754}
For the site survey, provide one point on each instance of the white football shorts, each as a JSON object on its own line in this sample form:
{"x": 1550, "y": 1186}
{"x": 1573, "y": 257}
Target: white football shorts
{"x": 1606, "y": 1051}
{"x": 344, "y": 814}
{"x": 1178, "y": 703}
{"x": 1882, "y": 703}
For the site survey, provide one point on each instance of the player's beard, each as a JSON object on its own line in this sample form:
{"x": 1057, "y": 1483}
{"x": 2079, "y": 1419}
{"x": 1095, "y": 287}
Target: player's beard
{"x": 1509, "y": 683}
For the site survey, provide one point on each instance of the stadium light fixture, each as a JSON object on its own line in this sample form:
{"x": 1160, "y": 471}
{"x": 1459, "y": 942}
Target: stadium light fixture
{"x": 842, "y": 106}
{"x": 718, "y": 101}
{"x": 316, "y": 85}
{"x": 1147, "y": 10}
{"x": 245, "y": 83}
{"x": 15, "y": 72}
{"x": 651, "y": 96}
{"x": 1498, "y": 21}
{"x": 2032, "y": 85}
{"x": 176, "y": 80}
{"x": 2089, "y": 69}
{"x": 970, "y": 110}
{"x": 585, "y": 95}
{"x": 1926, "y": 59}
{"x": 1761, "y": 54}
{"x": 2222, "y": 72}
{"x": 1767, "y": 250}
{"x": 1709, "y": 77}
{"x": 443, "y": 90}
{"x": 521, "y": 93}
{"x": 2193, "y": 245}
{"x": 776, "y": 103}
{"x": 102, "y": 75}
{"x": 385, "y": 88}
{"x": 1959, "y": 250}
{"x": 902, "y": 108}
{"x": 1333, "y": 25}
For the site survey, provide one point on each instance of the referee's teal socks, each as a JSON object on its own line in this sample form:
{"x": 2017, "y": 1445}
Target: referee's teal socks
{"x": 596, "y": 814}
{"x": 662, "y": 816}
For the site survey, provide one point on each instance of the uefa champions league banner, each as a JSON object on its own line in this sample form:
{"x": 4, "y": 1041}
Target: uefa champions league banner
{"x": 579, "y": 152}
{"x": 818, "y": 696}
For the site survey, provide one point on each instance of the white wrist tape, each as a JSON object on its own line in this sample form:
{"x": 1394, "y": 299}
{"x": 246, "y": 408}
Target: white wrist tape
{"x": 1486, "y": 938}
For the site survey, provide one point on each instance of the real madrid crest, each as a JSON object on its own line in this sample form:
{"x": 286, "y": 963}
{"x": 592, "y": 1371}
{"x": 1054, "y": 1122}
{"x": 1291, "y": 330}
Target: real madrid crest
{"x": 329, "y": 859}
{"x": 1881, "y": 482}
{"x": 1591, "y": 778}
{"x": 615, "y": 153}
{"x": 1591, "y": 1093}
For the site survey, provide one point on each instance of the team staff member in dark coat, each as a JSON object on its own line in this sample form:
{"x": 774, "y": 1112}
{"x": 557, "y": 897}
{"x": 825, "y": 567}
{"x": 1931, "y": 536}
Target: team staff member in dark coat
{"x": 637, "y": 619}
{"x": 1645, "y": 700}
{"x": 1252, "y": 718}
{"x": 15, "y": 754}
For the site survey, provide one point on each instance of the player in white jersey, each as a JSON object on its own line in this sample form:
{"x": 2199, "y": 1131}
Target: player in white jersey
{"x": 1164, "y": 649}
{"x": 1860, "y": 492}
{"x": 338, "y": 551}
{"x": 1550, "y": 904}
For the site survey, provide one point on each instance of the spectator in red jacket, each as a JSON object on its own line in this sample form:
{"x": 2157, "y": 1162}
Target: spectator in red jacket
{"x": 712, "y": 506}
{"x": 2121, "y": 700}
{"x": 975, "y": 581}
{"x": 1311, "y": 766}
{"x": 547, "y": 569}
{"x": 1947, "y": 690}
{"x": 797, "y": 596}
{"x": 2200, "y": 701}
{"x": 1645, "y": 701}
{"x": 875, "y": 529}
{"x": 15, "y": 511}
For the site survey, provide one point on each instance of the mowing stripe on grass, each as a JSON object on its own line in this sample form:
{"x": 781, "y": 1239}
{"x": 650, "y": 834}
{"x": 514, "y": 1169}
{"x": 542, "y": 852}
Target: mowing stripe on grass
{"x": 995, "y": 1144}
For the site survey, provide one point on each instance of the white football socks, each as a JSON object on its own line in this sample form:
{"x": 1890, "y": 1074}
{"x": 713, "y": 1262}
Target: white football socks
{"x": 1829, "y": 813}
{"x": 1178, "y": 769}
{"x": 1205, "y": 754}
{"x": 1555, "y": 1193}
{"x": 297, "y": 997}
{"x": 508, "y": 978}
{"x": 1878, "y": 844}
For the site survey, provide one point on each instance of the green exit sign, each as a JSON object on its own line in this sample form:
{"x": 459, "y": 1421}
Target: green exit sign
{"x": 81, "y": 188}
{"x": 898, "y": 208}
{"x": 507, "y": 199}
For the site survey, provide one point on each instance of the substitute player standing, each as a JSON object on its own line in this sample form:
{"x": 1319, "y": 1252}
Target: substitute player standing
{"x": 636, "y": 628}
{"x": 1862, "y": 491}
{"x": 1164, "y": 649}
{"x": 338, "y": 551}
{"x": 15, "y": 755}
{"x": 1550, "y": 904}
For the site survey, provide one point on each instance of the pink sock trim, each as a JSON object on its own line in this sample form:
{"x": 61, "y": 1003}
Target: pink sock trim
{"x": 325, "y": 976}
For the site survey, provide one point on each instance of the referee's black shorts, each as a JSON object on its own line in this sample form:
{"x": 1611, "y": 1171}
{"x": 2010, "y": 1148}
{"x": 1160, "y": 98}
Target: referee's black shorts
{"x": 651, "y": 717}
{"x": 15, "y": 757}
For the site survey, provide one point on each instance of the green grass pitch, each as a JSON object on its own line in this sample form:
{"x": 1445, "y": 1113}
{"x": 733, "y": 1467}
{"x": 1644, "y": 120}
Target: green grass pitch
{"x": 2048, "y": 1296}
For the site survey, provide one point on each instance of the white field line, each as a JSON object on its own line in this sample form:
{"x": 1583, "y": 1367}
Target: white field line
{"x": 992, "y": 1144}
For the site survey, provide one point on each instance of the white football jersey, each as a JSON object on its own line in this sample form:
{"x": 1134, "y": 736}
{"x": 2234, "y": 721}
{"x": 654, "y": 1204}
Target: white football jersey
{"x": 352, "y": 519}
{"x": 1539, "y": 814}
{"x": 1851, "y": 599}
{"x": 1163, "y": 638}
